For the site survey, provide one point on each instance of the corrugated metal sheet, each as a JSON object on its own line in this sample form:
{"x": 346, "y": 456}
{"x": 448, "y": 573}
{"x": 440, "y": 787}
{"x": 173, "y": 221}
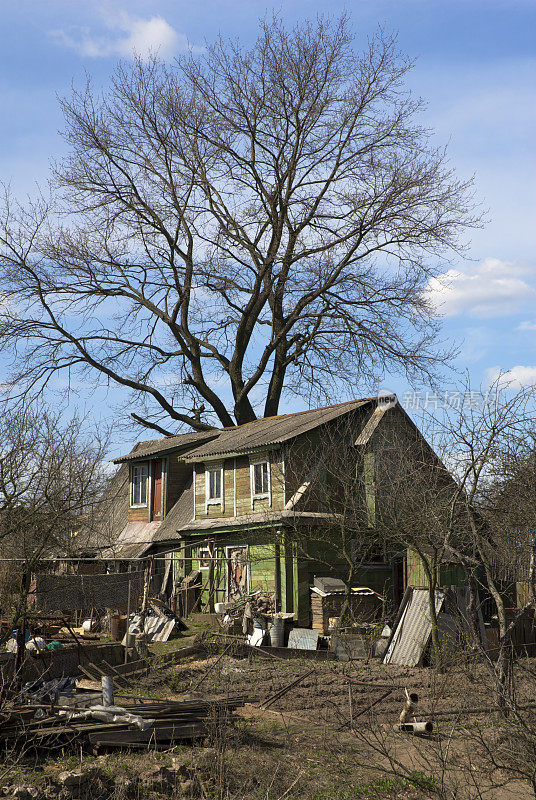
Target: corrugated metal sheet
{"x": 272, "y": 430}
{"x": 135, "y": 539}
{"x": 303, "y": 639}
{"x": 157, "y": 629}
{"x": 167, "y": 443}
{"x": 413, "y": 632}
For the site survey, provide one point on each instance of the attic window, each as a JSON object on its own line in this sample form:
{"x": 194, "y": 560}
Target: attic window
{"x": 260, "y": 480}
{"x": 139, "y": 475}
{"x": 214, "y": 485}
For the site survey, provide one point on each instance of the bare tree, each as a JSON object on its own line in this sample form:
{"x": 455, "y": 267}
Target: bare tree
{"x": 418, "y": 510}
{"x": 241, "y": 224}
{"x": 472, "y": 505}
{"x": 51, "y": 480}
{"x": 334, "y": 480}
{"x": 490, "y": 446}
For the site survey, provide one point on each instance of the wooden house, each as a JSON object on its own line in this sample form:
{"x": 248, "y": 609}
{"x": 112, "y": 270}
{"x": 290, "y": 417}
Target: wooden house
{"x": 257, "y": 506}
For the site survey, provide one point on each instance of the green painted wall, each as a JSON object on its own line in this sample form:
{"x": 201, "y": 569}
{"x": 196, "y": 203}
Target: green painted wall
{"x": 449, "y": 574}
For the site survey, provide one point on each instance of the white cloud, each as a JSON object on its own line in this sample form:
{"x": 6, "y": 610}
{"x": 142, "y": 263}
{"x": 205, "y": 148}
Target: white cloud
{"x": 126, "y": 36}
{"x": 492, "y": 288}
{"x": 517, "y": 377}
{"x": 527, "y": 325}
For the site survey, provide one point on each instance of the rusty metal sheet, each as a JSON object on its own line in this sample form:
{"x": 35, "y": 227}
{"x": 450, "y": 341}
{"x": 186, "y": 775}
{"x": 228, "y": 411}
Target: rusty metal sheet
{"x": 412, "y": 633}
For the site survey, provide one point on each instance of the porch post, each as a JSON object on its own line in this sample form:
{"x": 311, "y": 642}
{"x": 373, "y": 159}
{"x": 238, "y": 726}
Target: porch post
{"x": 211, "y": 586}
{"x": 277, "y": 573}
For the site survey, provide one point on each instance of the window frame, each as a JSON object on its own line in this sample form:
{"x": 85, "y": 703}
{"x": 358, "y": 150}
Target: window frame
{"x": 143, "y": 465}
{"x": 203, "y": 554}
{"x": 214, "y": 501}
{"x": 254, "y": 462}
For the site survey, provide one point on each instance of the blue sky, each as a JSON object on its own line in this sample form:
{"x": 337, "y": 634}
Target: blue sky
{"x": 475, "y": 67}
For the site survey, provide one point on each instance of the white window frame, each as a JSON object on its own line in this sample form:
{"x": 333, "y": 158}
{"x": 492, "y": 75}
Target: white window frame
{"x": 203, "y": 553}
{"x": 214, "y": 501}
{"x": 253, "y": 462}
{"x": 145, "y": 465}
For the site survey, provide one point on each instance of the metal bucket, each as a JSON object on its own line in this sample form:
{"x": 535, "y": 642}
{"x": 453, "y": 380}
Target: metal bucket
{"x": 277, "y": 633}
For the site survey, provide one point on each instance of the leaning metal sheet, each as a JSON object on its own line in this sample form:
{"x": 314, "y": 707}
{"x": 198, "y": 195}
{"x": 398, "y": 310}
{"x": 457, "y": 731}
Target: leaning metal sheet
{"x": 413, "y": 631}
{"x": 303, "y": 639}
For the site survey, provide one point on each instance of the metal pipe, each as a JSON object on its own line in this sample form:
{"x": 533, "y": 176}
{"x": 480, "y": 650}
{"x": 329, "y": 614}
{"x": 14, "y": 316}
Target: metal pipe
{"x": 107, "y": 690}
{"x": 415, "y": 727}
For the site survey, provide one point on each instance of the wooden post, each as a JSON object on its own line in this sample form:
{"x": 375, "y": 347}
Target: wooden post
{"x": 277, "y": 575}
{"x": 146, "y": 584}
{"x": 21, "y": 630}
{"x": 127, "y": 639}
{"x": 211, "y": 584}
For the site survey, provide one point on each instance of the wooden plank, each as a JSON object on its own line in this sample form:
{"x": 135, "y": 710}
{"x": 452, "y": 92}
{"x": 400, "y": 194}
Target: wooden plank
{"x": 158, "y": 734}
{"x": 88, "y": 674}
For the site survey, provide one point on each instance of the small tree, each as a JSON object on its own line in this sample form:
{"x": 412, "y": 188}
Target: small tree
{"x": 51, "y": 481}
{"x": 335, "y": 480}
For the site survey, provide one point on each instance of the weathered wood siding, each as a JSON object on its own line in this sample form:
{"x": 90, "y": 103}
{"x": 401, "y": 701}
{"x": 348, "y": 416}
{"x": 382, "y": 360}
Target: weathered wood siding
{"x": 237, "y": 487}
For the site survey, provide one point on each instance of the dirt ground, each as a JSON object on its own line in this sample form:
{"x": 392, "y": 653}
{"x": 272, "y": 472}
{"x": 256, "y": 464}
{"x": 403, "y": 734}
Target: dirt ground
{"x": 334, "y": 726}
{"x": 330, "y": 736}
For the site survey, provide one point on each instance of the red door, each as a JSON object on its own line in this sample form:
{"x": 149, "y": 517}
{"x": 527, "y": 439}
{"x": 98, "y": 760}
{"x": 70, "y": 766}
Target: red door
{"x": 156, "y": 494}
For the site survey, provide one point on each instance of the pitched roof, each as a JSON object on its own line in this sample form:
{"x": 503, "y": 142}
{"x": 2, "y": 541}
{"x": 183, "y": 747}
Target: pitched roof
{"x": 270, "y": 430}
{"x": 160, "y": 446}
{"x": 178, "y": 517}
{"x": 134, "y": 540}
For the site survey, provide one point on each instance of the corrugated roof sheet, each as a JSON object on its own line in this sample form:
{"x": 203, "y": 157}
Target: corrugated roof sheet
{"x": 178, "y": 516}
{"x": 134, "y": 541}
{"x": 413, "y": 632}
{"x": 271, "y": 430}
{"x": 154, "y": 447}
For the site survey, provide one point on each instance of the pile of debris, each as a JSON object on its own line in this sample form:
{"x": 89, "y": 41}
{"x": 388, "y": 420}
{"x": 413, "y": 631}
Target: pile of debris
{"x": 158, "y": 622}
{"x": 157, "y": 724}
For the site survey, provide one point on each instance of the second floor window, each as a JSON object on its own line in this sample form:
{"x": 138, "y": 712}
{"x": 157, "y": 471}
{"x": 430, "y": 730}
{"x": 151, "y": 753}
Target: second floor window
{"x": 138, "y": 484}
{"x": 214, "y": 484}
{"x": 260, "y": 478}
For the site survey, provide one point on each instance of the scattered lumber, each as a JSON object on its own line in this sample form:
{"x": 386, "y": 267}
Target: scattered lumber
{"x": 164, "y": 723}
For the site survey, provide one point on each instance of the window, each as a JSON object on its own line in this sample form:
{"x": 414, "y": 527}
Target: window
{"x": 204, "y": 558}
{"x": 214, "y": 485}
{"x": 139, "y": 475}
{"x": 260, "y": 480}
